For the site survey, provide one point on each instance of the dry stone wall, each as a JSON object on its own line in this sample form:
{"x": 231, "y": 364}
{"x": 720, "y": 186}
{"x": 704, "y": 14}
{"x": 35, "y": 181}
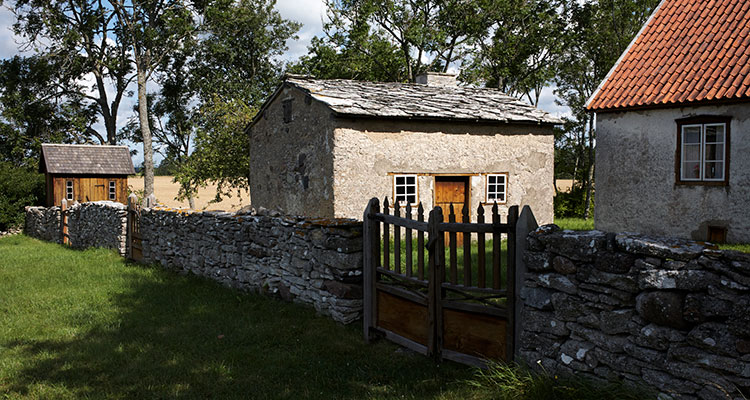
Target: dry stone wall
{"x": 312, "y": 261}
{"x": 43, "y": 223}
{"x": 669, "y": 313}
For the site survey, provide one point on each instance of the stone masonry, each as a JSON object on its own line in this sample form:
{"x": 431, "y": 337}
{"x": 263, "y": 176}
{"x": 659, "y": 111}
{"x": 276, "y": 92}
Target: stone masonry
{"x": 672, "y": 314}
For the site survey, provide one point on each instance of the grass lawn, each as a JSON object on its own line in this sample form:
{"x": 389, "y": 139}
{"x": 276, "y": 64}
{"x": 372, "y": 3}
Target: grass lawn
{"x": 79, "y": 324}
{"x": 575, "y": 224}
{"x": 743, "y": 247}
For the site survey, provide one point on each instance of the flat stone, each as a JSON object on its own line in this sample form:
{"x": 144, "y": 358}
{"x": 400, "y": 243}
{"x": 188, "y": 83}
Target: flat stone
{"x": 616, "y": 263}
{"x": 563, "y": 265}
{"x": 558, "y": 282}
{"x": 538, "y": 298}
{"x": 660, "y": 247}
{"x": 576, "y": 245}
{"x": 662, "y": 308}
{"x": 692, "y": 280}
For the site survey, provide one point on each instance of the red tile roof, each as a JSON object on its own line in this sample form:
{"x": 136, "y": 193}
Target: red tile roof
{"x": 690, "y": 51}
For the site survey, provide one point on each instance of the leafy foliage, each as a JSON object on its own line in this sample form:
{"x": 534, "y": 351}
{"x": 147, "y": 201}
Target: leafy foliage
{"x": 19, "y": 187}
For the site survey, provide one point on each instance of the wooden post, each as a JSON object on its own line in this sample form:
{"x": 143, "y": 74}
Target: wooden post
{"x": 386, "y": 238}
{"x": 453, "y": 251}
{"x": 420, "y": 244}
{"x": 371, "y": 231}
{"x": 496, "y": 241}
{"x": 467, "y": 247}
{"x": 132, "y": 200}
{"x": 408, "y": 249}
{"x": 526, "y": 224}
{"x": 149, "y": 201}
{"x": 397, "y": 239}
{"x": 511, "y": 282}
{"x": 64, "y": 239}
{"x": 481, "y": 267}
{"x": 435, "y": 279}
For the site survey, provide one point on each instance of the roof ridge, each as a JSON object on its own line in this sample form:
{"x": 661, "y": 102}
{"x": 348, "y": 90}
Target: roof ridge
{"x": 84, "y": 145}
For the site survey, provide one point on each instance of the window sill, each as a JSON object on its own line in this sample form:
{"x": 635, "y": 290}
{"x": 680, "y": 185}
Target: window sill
{"x": 701, "y": 183}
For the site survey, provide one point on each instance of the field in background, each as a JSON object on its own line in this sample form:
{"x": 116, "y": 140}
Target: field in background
{"x": 166, "y": 191}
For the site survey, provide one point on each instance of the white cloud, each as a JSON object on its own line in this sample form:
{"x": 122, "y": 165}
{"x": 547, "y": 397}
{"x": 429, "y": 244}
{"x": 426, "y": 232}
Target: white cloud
{"x": 310, "y": 14}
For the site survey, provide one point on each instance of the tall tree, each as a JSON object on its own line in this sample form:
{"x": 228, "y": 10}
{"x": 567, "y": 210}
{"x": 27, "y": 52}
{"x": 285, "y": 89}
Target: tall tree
{"x": 152, "y": 30}
{"x": 597, "y": 34}
{"x": 82, "y": 40}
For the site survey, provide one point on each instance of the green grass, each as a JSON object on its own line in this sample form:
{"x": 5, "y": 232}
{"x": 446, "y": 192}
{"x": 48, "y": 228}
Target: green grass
{"x": 743, "y": 247}
{"x": 86, "y": 324}
{"x": 575, "y": 224}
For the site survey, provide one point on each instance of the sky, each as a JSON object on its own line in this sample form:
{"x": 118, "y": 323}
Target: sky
{"x": 310, "y": 13}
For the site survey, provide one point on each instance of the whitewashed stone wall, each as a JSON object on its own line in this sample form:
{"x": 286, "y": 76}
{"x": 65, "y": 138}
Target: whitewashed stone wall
{"x": 668, "y": 313}
{"x": 312, "y": 261}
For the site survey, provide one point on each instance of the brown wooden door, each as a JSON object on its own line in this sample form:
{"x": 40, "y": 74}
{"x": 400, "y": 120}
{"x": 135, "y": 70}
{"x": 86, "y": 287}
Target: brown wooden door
{"x": 452, "y": 190}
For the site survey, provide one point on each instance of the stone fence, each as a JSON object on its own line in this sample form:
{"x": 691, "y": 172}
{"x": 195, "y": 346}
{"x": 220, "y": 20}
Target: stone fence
{"x": 312, "y": 261}
{"x": 674, "y": 314}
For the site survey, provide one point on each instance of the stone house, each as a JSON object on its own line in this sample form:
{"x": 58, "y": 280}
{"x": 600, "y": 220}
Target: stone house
{"x": 325, "y": 147}
{"x": 673, "y": 126}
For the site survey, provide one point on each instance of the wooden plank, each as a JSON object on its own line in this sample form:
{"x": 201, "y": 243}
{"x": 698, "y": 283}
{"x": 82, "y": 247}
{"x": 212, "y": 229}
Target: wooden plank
{"x": 408, "y": 250}
{"x": 397, "y": 240}
{"x": 433, "y": 272}
{"x": 500, "y": 312}
{"x": 465, "y": 359}
{"x": 65, "y": 239}
{"x": 475, "y": 334}
{"x": 394, "y": 275}
{"x": 386, "y": 238}
{"x": 481, "y": 267}
{"x": 467, "y": 249}
{"x": 420, "y": 244}
{"x": 410, "y": 295}
{"x": 511, "y": 281}
{"x": 402, "y": 317}
{"x": 460, "y": 227}
{"x": 402, "y": 341}
{"x": 462, "y": 288}
{"x": 453, "y": 250}
{"x": 411, "y": 224}
{"x": 496, "y": 240}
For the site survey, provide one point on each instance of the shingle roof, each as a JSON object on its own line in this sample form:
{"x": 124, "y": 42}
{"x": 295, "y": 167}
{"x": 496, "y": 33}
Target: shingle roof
{"x": 420, "y": 101}
{"x": 86, "y": 159}
{"x": 689, "y": 51}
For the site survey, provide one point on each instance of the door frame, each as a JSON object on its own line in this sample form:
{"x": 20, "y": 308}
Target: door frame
{"x": 467, "y": 189}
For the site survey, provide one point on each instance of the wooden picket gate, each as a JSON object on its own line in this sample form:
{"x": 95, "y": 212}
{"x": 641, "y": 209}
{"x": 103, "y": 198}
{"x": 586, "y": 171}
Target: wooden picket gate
{"x": 462, "y": 310}
{"x": 134, "y": 237}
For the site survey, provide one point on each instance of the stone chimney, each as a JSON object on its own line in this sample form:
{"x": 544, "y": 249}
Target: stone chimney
{"x": 439, "y": 79}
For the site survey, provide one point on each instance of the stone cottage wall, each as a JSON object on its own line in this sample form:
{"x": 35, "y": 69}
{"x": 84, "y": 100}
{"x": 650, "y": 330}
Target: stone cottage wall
{"x": 43, "y": 223}
{"x": 312, "y": 261}
{"x": 672, "y": 314}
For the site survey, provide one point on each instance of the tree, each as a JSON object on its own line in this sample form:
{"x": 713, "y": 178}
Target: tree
{"x": 152, "y": 29}
{"x": 596, "y": 35}
{"x": 83, "y": 42}
{"x": 34, "y": 111}
{"x": 518, "y": 46}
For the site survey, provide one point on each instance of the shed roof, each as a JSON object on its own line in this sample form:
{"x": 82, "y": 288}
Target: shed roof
{"x": 419, "y": 101}
{"x": 86, "y": 159}
{"x": 688, "y": 52}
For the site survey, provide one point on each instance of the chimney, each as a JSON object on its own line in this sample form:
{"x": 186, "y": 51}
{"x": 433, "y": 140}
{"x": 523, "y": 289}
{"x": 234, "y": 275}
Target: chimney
{"x": 439, "y": 79}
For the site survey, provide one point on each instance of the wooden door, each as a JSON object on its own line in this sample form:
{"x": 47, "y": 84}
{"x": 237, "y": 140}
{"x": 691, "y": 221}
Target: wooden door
{"x": 452, "y": 190}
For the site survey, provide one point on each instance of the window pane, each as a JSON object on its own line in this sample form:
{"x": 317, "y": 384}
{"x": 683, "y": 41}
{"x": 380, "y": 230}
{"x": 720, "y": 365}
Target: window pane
{"x": 501, "y": 179}
{"x": 400, "y": 190}
{"x": 490, "y": 195}
{"x": 399, "y": 180}
{"x": 691, "y": 170}
{"x": 492, "y": 179}
{"x": 411, "y": 199}
{"x": 714, "y": 152}
{"x": 411, "y": 190}
{"x": 691, "y": 152}
{"x": 691, "y": 134}
{"x": 714, "y": 170}
{"x": 715, "y": 133}
{"x": 410, "y": 180}
{"x": 501, "y": 196}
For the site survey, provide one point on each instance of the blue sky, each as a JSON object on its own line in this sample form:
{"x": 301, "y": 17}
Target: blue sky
{"x": 308, "y": 12}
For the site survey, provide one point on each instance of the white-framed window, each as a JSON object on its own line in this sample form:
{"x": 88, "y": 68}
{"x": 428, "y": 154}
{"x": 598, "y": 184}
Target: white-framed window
{"x": 405, "y": 190}
{"x": 703, "y": 152}
{"x": 496, "y": 188}
{"x": 112, "y": 190}
{"x": 69, "y": 190}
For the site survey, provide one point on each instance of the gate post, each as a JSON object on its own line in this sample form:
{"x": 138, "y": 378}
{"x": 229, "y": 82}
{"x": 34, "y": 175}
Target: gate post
{"x": 132, "y": 200}
{"x": 435, "y": 275}
{"x": 64, "y": 222}
{"x": 526, "y": 224}
{"x": 511, "y": 274}
{"x": 370, "y": 258}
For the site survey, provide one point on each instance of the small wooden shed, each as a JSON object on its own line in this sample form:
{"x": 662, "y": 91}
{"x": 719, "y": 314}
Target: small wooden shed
{"x": 85, "y": 172}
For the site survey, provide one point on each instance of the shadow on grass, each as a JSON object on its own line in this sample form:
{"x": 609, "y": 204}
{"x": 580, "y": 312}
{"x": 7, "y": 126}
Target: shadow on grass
{"x": 171, "y": 336}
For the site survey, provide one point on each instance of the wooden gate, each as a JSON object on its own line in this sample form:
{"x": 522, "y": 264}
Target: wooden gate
{"x": 134, "y": 238}
{"x": 462, "y": 310}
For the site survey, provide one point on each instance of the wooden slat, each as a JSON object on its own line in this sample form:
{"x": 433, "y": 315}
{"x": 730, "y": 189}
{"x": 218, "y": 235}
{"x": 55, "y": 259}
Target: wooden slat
{"x": 369, "y": 268}
{"x": 464, "y": 359}
{"x": 434, "y": 272}
{"x": 496, "y": 240}
{"x": 410, "y": 295}
{"x": 386, "y": 238}
{"x": 501, "y": 312}
{"x": 511, "y": 281}
{"x": 453, "y": 250}
{"x": 460, "y": 227}
{"x": 474, "y": 334}
{"x": 402, "y": 277}
{"x": 420, "y": 244}
{"x": 481, "y": 264}
{"x": 411, "y": 224}
{"x": 403, "y": 317}
{"x": 409, "y": 261}
{"x": 467, "y": 249}
{"x": 462, "y": 288}
{"x": 402, "y": 341}
{"x": 397, "y": 239}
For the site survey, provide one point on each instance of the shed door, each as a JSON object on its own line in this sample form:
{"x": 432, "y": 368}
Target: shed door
{"x": 452, "y": 190}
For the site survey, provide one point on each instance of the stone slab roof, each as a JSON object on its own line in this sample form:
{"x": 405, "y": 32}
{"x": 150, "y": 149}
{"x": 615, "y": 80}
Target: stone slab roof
{"x": 86, "y": 159}
{"x": 688, "y": 52}
{"x": 419, "y": 101}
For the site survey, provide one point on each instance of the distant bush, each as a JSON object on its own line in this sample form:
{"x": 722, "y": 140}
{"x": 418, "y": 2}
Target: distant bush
{"x": 19, "y": 187}
{"x": 573, "y": 203}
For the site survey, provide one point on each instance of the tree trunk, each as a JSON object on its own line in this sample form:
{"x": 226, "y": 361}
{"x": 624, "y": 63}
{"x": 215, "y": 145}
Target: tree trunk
{"x": 590, "y": 170}
{"x": 148, "y": 151}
